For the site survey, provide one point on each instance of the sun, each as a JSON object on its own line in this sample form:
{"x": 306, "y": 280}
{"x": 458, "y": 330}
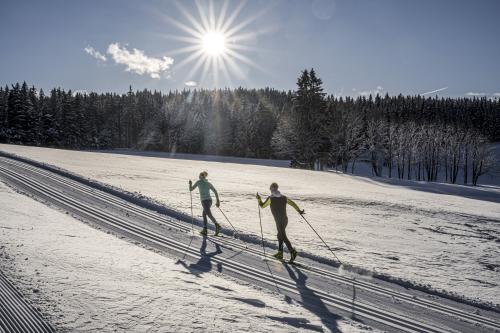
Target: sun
{"x": 214, "y": 43}
{"x": 217, "y": 44}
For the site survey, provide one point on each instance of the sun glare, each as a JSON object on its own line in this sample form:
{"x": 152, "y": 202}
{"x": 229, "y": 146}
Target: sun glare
{"x": 214, "y": 43}
{"x": 207, "y": 34}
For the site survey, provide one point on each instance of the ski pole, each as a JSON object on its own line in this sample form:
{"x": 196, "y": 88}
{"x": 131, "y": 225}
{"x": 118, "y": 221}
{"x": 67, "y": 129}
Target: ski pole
{"x": 192, "y": 225}
{"x": 235, "y": 232}
{"x": 261, "y": 232}
{"x": 192, "y": 215}
{"x": 328, "y": 247}
{"x": 264, "y": 248}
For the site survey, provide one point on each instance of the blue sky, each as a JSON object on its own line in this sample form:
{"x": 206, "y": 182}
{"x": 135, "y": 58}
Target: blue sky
{"x": 356, "y": 46}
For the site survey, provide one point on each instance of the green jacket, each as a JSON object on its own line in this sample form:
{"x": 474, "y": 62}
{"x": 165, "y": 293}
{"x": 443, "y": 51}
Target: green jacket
{"x": 204, "y": 186}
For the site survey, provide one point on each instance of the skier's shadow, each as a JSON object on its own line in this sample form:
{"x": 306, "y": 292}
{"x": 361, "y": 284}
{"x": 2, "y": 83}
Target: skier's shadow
{"x": 204, "y": 264}
{"x": 313, "y": 302}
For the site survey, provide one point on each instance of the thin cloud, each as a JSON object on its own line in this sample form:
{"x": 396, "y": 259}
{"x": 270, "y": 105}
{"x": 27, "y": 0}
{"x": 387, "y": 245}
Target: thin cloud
{"x": 94, "y": 53}
{"x": 136, "y": 61}
{"x": 374, "y": 92}
{"x": 434, "y": 91}
{"x": 490, "y": 96}
{"x": 476, "y": 94}
{"x": 190, "y": 84}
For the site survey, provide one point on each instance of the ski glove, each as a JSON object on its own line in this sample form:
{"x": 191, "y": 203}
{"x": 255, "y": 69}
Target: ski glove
{"x": 302, "y": 212}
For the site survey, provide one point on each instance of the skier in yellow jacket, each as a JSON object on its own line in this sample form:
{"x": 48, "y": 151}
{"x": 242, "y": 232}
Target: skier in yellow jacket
{"x": 278, "y": 203}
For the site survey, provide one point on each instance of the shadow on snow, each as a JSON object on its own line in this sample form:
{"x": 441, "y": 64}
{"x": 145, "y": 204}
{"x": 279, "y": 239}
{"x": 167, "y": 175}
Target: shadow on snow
{"x": 204, "y": 264}
{"x": 313, "y": 303}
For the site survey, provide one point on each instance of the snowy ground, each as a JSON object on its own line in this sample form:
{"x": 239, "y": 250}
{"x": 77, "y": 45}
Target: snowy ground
{"x": 86, "y": 280}
{"x": 446, "y": 236}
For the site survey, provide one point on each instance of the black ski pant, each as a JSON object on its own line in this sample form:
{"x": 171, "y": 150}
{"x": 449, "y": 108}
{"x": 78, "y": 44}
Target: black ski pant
{"x": 206, "y": 204}
{"x": 282, "y": 238}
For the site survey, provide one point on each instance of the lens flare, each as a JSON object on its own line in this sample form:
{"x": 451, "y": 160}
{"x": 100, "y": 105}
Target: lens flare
{"x": 214, "y": 43}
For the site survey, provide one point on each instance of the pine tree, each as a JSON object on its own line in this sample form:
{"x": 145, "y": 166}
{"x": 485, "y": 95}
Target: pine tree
{"x": 51, "y": 119}
{"x": 263, "y": 130}
{"x": 30, "y": 103}
{"x": 284, "y": 139}
{"x": 4, "y": 130}
{"x": 346, "y": 139}
{"x": 130, "y": 116}
{"x": 309, "y": 119}
{"x": 41, "y": 112}
{"x": 16, "y": 116}
{"x": 75, "y": 120}
{"x": 222, "y": 126}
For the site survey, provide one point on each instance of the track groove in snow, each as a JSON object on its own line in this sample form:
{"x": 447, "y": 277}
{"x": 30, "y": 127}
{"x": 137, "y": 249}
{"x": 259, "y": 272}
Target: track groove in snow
{"x": 366, "y": 311}
{"x": 427, "y": 260}
{"x": 386, "y": 318}
{"x": 16, "y": 315}
{"x": 369, "y": 237}
{"x": 99, "y": 283}
{"x": 185, "y": 228}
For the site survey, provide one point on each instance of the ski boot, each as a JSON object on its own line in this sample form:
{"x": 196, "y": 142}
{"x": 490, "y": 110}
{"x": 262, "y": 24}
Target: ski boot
{"x": 278, "y": 255}
{"x": 293, "y": 255}
{"x": 203, "y": 232}
{"x": 217, "y": 229}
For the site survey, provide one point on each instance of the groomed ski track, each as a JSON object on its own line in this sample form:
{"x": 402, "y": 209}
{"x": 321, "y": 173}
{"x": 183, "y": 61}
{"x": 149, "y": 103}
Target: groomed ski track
{"x": 17, "y": 315}
{"x": 319, "y": 288}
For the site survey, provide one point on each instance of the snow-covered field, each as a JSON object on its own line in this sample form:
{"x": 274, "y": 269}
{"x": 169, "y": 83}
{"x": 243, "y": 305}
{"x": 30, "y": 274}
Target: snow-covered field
{"x": 86, "y": 280}
{"x": 445, "y": 236}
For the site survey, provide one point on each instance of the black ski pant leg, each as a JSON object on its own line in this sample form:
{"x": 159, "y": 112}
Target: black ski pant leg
{"x": 282, "y": 238}
{"x": 288, "y": 244}
{"x": 204, "y": 219}
{"x": 206, "y": 204}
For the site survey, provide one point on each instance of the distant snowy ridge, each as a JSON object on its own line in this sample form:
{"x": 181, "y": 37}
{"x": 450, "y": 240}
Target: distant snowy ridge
{"x": 197, "y": 157}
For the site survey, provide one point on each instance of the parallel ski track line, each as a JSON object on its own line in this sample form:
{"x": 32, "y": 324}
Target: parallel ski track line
{"x": 16, "y": 315}
{"x": 368, "y": 312}
{"x": 470, "y": 317}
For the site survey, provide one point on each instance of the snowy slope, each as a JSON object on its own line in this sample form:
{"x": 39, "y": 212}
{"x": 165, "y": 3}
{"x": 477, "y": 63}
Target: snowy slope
{"x": 87, "y": 280}
{"x": 438, "y": 234}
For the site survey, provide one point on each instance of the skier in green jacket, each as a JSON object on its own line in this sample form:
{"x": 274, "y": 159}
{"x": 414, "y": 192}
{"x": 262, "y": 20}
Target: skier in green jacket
{"x": 204, "y": 186}
{"x": 278, "y": 204}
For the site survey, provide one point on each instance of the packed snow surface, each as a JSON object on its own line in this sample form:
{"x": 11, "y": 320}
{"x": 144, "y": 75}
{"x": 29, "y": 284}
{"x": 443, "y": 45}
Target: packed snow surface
{"x": 442, "y": 235}
{"x": 86, "y": 280}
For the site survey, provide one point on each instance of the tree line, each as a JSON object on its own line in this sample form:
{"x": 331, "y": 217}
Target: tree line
{"x": 411, "y": 137}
